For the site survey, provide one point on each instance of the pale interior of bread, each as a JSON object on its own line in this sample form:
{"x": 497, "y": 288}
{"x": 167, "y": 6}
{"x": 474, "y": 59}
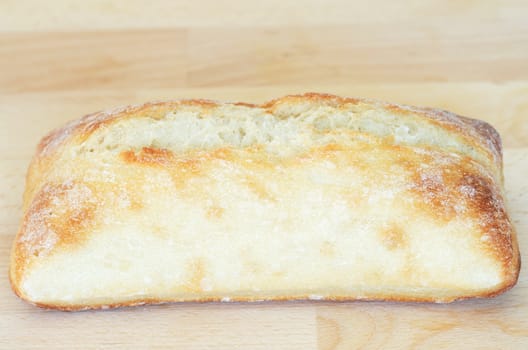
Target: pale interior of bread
{"x": 289, "y": 130}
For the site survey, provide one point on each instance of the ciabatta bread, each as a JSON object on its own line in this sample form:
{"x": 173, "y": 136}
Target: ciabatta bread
{"x": 305, "y": 197}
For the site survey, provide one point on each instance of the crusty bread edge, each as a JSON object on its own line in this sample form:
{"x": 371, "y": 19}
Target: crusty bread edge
{"x": 286, "y": 298}
{"x": 82, "y": 128}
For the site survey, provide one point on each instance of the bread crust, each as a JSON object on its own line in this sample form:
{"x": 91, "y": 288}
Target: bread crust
{"x": 478, "y": 134}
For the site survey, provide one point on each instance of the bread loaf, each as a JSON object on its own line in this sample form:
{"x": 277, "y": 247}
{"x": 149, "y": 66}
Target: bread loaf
{"x": 305, "y": 197}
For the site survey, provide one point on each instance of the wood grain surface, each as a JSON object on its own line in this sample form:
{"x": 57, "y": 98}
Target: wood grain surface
{"x": 63, "y": 59}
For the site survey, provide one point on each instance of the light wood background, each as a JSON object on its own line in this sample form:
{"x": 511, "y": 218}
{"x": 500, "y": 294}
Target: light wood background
{"x": 62, "y": 59}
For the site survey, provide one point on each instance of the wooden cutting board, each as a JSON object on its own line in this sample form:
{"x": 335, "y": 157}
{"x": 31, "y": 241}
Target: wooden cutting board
{"x": 62, "y": 60}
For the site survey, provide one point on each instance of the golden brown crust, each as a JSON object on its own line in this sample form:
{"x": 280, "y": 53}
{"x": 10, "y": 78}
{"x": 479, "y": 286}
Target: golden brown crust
{"x": 481, "y": 195}
{"x": 149, "y": 156}
{"x": 42, "y": 225}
